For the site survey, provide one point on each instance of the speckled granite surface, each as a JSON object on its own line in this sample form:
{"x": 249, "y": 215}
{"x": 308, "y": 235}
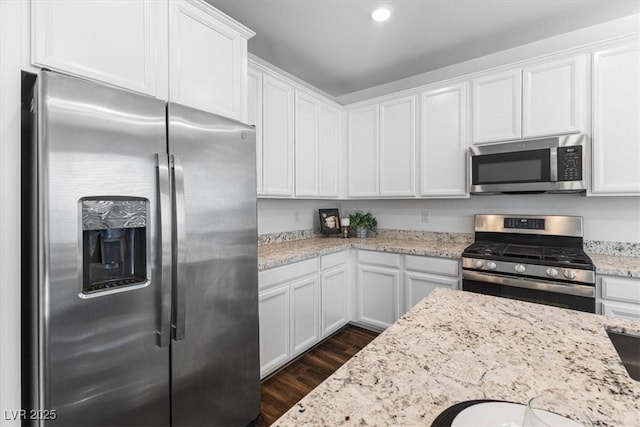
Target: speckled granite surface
{"x": 625, "y": 249}
{"x": 278, "y": 254}
{"x": 447, "y": 245}
{"x": 616, "y": 265}
{"x": 456, "y": 346}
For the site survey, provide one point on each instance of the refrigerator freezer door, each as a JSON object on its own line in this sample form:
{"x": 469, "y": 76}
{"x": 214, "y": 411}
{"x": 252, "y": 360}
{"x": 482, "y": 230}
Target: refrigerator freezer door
{"x": 215, "y": 363}
{"x": 100, "y": 362}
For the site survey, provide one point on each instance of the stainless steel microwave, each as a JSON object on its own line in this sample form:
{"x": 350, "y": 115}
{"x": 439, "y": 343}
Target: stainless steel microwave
{"x": 544, "y": 165}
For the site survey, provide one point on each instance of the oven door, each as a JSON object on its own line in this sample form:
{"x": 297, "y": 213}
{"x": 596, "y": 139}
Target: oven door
{"x": 565, "y": 295}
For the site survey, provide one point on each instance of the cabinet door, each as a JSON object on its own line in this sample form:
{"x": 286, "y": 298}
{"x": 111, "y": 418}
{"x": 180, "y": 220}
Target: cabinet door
{"x": 208, "y": 60}
{"x": 398, "y": 147}
{"x": 254, "y": 117}
{"x": 443, "y": 141}
{"x": 334, "y": 307}
{"x": 554, "y": 97}
{"x": 363, "y": 152}
{"x": 419, "y": 285}
{"x": 621, "y": 310}
{"x": 277, "y": 137}
{"x": 274, "y": 328}
{"x": 616, "y": 127}
{"x": 497, "y": 106}
{"x": 328, "y": 150}
{"x": 378, "y": 297}
{"x": 120, "y": 43}
{"x": 304, "y": 314}
{"x": 306, "y": 145}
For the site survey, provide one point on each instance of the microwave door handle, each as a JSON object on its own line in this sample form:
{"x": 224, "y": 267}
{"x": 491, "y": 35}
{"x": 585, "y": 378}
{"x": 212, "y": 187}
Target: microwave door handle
{"x": 164, "y": 243}
{"x": 180, "y": 249}
{"x": 553, "y": 167}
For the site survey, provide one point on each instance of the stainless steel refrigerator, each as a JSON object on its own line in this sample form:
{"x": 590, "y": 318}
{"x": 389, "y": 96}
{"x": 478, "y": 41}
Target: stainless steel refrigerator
{"x": 140, "y": 274}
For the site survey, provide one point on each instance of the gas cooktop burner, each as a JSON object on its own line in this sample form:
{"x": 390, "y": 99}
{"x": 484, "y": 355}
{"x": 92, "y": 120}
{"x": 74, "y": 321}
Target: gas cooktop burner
{"x": 542, "y": 255}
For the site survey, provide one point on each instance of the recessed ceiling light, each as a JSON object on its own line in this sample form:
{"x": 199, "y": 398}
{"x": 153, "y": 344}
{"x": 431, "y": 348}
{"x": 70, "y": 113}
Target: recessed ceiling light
{"x": 381, "y": 14}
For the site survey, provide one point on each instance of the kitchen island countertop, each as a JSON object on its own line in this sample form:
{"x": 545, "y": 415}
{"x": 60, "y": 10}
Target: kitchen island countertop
{"x": 456, "y": 346}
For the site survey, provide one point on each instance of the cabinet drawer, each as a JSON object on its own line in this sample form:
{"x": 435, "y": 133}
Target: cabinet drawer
{"x": 448, "y": 267}
{"x": 379, "y": 258}
{"x": 274, "y": 276}
{"x": 333, "y": 260}
{"x": 620, "y": 289}
{"x": 621, "y": 310}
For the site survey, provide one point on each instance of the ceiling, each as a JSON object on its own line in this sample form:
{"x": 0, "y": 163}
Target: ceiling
{"x": 335, "y": 46}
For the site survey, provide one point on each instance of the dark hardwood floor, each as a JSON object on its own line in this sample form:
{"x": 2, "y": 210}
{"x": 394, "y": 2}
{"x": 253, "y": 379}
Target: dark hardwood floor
{"x": 284, "y": 388}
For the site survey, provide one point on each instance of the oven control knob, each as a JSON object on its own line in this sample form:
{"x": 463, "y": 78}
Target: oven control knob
{"x": 492, "y": 266}
{"x": 552, "y": 272}
{"x": 520, "y": 268}
{"x": 479, "y": 264}
{"x": 570, "y": 274}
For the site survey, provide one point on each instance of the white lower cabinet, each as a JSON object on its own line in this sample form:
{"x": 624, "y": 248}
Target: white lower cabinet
{"x": 304, "y": 302}
{"x": 334, "y": 285}
{"x": 274, "y": 328}
{"x": 423, "y": 274}
{"x": 619, "y": 297}
{"x": 304, "y": 313}
{"x": 288, "y": 312}
{"x": 419, "y": 285}
{"x": 378, "y": 289}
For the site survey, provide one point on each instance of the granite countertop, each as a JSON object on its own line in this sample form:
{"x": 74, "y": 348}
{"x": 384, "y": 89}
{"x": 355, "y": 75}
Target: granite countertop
{"x": 456, "y": 346}
{"x": 616, "y": 265}
{"x": 277, "y": 254}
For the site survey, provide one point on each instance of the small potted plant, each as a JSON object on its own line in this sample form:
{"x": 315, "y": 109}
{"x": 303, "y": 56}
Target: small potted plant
{"x": 362, "y": 223}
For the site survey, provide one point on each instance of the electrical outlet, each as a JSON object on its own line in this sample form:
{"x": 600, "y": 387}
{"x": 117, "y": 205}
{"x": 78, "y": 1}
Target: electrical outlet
{"x": 296, "y": 217}
{"x": 425, "y": 217}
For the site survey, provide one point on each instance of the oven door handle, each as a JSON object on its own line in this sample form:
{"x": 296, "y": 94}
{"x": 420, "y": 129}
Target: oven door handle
{"x": 539, "y": 285}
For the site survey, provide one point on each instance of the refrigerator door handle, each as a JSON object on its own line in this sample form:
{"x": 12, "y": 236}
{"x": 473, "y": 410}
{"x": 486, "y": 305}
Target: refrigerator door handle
{"x": 164, "y": 242}
{"x": 180, "y": 249}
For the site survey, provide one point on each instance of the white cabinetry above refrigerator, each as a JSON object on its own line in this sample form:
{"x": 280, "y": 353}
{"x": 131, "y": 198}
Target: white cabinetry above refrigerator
{"x": 184, "y": 51}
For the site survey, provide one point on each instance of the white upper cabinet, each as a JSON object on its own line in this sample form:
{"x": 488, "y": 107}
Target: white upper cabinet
{"x": 119, "y": 43}
{"x": 443, "y": 141}
{"x": 208, "y": 59}
{"x": 277, "y": 137}
{"x": 254, "y": 117}
{"x": 616, "y": 120}
{"x": 328, "y": 150}
{"x": 398, "y": 147}
{"x": 549, "y": 98}
{"x": 554, "y": 97}
{"x": 497, "y": 106}
{"x": 306, "y": 145}
{"x": 363, "y": 151}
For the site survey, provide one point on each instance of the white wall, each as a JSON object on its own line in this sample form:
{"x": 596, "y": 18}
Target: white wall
{"x": 10, "y": 209}
{"x": 291, "y": 215}
{"x": 605, "y": 218}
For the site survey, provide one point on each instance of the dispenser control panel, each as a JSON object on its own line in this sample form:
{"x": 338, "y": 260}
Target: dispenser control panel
{"x": 114, "y": 243}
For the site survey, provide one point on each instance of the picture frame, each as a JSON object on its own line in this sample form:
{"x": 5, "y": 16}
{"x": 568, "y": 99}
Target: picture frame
{"x": 329, "y": 221}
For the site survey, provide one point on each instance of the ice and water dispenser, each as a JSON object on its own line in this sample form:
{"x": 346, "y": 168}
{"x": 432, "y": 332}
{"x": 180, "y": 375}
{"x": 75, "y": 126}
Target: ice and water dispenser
{"x": 114, "y": 243}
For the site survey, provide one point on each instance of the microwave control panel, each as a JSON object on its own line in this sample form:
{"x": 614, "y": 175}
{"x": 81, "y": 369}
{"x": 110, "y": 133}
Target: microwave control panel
{"x": 570, "y": 163}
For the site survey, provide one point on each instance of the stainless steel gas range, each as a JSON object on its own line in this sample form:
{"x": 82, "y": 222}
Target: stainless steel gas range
{"x": 531, "y": 258}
